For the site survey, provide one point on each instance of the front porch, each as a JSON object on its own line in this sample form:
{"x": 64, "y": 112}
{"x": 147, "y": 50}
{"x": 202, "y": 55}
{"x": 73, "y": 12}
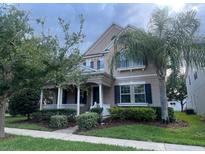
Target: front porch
{"x": 73, "y": 97}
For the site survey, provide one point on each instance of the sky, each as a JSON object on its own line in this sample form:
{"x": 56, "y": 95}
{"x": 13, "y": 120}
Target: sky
{"x": 98, "y": 17}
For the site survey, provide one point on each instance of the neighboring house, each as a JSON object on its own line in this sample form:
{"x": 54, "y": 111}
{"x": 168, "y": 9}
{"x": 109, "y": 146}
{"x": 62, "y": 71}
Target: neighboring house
{"x": 195, "y": 83}
{"x": 132, "y": 83}
{"x": 176, "y": 105}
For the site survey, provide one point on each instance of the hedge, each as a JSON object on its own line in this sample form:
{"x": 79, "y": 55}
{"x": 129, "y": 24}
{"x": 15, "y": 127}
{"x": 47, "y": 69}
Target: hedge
{"x": 87, "y": 120}
{"x": 45, "y": 115}
{"x": 58, "y": 121}
{"x": 140, "y": 113}
{"x": 133, "y": 113}
{"x": 170, "y": 113}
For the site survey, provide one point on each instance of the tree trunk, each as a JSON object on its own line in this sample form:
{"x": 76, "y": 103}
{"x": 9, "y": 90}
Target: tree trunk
{"x": 182, "y": 106}
{"x": 2, "y": 119}
{"x": 163, "y": 100}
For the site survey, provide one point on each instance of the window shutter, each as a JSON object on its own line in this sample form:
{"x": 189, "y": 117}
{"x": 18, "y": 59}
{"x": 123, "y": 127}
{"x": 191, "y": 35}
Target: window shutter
{"x": 148, "y": 92}
{"x": 98, "y": 64}
{"x": 117, "y": 94}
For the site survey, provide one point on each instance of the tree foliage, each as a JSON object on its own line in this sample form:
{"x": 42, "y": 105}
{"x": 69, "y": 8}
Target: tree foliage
{"x": 27, "y": 60}
{"x": 176, "y": 88}
{"x": 24, "y": 102}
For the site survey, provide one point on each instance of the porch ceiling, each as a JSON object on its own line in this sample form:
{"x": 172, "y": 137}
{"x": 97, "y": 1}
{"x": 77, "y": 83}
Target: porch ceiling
{"x": 101, "y": 78}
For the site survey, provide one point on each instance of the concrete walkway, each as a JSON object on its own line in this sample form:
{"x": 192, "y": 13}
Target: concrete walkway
{"x": 111, "y": 141}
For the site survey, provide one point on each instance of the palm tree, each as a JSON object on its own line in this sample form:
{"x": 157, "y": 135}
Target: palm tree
{"x": 171, "y": 42}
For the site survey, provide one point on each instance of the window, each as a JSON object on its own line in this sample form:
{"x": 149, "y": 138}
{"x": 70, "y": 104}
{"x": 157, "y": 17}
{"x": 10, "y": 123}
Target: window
{"x": 195, "y": 75}
{"x": 100, "y": 64}
{"x": 92, "y": 64}
{"x": 139, "y": 93}
{"x": 132, "y": 93}
{"x": 88, "y": 61}
{"x": 125, "y": 94}
{"x": 125, "y": 62}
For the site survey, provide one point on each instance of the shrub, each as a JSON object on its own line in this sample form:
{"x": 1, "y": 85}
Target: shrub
{"x": 45, "y": 115}
{"x": 133, "y": 113}
{"x": 87, "y": 120}
{"x": 189, "y": 111}
{"x": 58, "y": 121}
{"x": 24, "y": 102}
{"x": 97, "y": 110}
{"x": 170, "y": 113}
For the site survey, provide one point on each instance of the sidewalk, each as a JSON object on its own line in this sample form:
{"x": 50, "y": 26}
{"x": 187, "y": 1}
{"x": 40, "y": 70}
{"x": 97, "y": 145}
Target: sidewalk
{"x": 104, "y": 140}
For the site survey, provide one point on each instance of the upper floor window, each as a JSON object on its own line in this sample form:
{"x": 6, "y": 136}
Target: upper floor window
{"x": 100, "y": 63}
{"x": 125, "y": 62}
{"x": 89, "y": 63}
{"x": 195, "y": 75}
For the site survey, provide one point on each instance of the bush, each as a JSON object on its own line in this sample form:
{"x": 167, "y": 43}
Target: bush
{"x": 24, "y": 102}
{"x": 97, "y": 110}
{"x": 87, "y": 120}
{"x": 58, "y": 121}
{"x": 45, "y": 115}
{"x": 133, "y": 113}
{"x": 189, "y": 111}
{"x": 170, "y": 113}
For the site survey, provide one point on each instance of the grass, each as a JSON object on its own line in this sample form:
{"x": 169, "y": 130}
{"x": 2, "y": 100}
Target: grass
{"x": 22, "y": 143}
{"x": 23, "y": 123}
{"x": 194, "y": 134}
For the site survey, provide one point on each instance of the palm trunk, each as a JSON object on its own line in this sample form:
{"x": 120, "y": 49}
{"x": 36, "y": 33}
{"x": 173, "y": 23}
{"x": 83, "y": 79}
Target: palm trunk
{"x": 2, "y": 119}
{"x": 163, "y": 100}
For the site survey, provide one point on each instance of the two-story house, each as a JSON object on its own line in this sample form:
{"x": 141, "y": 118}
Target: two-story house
{"x": 130, "y": 84}
{"x": 195, "y": 83}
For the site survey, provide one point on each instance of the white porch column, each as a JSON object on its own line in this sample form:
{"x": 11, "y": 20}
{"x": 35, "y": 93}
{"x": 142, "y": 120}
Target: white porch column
{"x": 41, "y": 100}
{"x": 91, "y": 97}
{"x": 100, "y": 95}
{"x": 59, "y": 101}
{"x": 78, "y": 100}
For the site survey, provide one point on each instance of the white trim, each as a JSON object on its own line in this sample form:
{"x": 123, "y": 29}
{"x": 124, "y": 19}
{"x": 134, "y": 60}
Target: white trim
{"x": 130, "y": 68}
{"x": 130, "y": 83}
{"x": 135, "y": 76}
{"x": 78, "y": 100}
{"x": 100, "y": 95}
{"x": 94, "y": 55}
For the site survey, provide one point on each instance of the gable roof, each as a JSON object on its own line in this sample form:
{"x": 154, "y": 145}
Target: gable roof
{"x": 103, "y": 35}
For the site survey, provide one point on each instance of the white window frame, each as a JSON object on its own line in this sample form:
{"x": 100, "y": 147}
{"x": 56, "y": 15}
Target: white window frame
{"x": 102, "y": 63}
{"x": 132, "y": 96}
{"x": 88, "y": 62}
{"x": 125, "y": 94}
{"x": 144, "y": 93}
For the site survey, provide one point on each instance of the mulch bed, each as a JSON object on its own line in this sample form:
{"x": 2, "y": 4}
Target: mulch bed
{"x": 111, "y": 123}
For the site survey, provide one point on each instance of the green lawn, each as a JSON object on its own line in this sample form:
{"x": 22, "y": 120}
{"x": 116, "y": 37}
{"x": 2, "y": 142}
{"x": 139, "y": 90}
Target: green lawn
{"x": 22, "y": 122}
{"x": 194, "y": 134}
{"x": 22, "y": 143}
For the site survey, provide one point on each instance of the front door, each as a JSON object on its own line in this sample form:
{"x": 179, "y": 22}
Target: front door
{"x": 95, "y": 95}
